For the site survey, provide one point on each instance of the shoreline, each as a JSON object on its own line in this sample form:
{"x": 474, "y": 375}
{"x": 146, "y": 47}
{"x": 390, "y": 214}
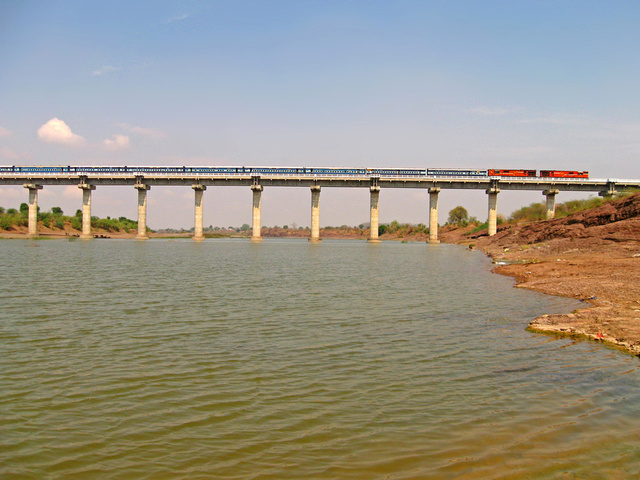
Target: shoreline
{"x": 602, "y": 319}
{"x": 606, "y": 278}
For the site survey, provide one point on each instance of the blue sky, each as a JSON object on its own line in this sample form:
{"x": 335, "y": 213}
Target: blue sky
{"x": 481, "y": 84}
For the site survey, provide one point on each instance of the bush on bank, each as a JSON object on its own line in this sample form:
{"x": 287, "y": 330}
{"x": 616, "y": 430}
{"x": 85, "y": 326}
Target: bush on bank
{"x": 538, "y": 211}
{"x": 402, "y": 229}
{"x": 55, "y": 219}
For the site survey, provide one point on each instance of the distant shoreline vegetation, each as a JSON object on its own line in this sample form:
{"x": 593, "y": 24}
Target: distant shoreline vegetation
{"x": 12, "y": 219}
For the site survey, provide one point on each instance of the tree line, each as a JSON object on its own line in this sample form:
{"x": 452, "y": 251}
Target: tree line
{"x": 56, "y": 219}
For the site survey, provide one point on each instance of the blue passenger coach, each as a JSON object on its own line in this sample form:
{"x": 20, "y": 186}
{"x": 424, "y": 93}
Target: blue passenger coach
{"x": 455, "y": 172}
{"x": 98, "y": 169}
{"x": 396, "y": 172}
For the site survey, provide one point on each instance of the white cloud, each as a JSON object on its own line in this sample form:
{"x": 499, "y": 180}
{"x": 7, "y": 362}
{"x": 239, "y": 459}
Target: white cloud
{"x": 56, "y": 131}
{"x": 4, "y": 132}
{"x": 119, "y": 142}
{"x": 104, "y": 70}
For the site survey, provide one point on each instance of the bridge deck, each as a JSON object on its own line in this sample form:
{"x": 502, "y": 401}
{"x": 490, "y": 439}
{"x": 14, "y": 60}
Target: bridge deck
{"x": 510, "y": 183}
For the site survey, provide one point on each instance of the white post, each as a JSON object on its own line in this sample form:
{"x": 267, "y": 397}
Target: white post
{"x": 142, "y": 211}
{"x": 256, "y": 233}
{"x": 551, "y": 202}
{"x": 86, "y": 210}
{"x": 315, "y": 214}
{"x": 32, "y": 231}
{"x": 198, "y": 214}
{"x": 374, "y": 214}
{"x": 433, "y": 215}
{"x": 493, "y": 211}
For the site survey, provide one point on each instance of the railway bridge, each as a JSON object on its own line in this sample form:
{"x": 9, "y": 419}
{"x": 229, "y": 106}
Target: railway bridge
{"x": 88, "y": 182}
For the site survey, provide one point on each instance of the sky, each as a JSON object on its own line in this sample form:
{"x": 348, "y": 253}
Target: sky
{"x": 352, "y": 83}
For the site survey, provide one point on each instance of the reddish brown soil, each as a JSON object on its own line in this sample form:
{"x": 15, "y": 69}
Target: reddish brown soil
{"x": 592, "y": 256}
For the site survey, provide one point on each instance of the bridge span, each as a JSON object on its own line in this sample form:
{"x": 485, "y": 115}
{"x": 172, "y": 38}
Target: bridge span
{"x": 549, "y": 187}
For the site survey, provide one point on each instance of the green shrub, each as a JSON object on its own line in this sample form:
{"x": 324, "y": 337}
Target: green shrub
{"x": 459, "y": 216}
{"x": 531, "y": 213}
{"x": 482, "y": 226}
{"x": 76, "y": 223}
{"x": 575, "y": 206}
{"x": 6, "y": 222}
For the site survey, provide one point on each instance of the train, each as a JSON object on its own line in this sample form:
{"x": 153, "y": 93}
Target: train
{"x": 257, "y": 171}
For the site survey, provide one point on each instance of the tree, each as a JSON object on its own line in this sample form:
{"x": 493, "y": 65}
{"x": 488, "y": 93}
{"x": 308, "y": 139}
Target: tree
{"x": 24, "y": 208}
{"x": 56, "y": 210}
{"x": 458, "y": 216}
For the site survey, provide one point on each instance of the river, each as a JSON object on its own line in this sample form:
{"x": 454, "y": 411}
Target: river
{"x": 225, "y": 359}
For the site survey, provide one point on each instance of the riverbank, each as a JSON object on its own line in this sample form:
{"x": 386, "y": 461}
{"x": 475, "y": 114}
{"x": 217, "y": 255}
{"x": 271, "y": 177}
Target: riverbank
{"x": 408, "y": 233}
{"x": 592, "y": 256}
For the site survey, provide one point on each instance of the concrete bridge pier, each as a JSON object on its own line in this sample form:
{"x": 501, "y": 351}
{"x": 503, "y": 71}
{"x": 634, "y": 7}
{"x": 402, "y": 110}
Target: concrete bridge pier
{"x": 551, "y": 202}
{"x": 198, "y": 227}
{"x": 374, "y": 214}
{"x": 315, "y": 214}
{"x": 142, "y": 211}
{"x": 256, "y": 235}
{"x": 32, "y": 229}
{"x": 610, "y": 191}
{"x": 86, "y": 210}
{"x": 493, "y": 211}
{"x": 433, "y": 215}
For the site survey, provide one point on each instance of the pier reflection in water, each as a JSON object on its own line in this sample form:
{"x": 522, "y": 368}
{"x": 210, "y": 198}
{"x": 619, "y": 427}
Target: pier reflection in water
{"x": 285, "y": 359}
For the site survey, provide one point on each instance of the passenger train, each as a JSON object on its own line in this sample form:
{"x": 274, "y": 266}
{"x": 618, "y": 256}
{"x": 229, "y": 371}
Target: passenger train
{"x": 257, "y": 171}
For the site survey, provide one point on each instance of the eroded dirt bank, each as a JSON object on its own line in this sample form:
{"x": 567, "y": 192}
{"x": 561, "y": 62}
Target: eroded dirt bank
{"x": 592, "y": 256}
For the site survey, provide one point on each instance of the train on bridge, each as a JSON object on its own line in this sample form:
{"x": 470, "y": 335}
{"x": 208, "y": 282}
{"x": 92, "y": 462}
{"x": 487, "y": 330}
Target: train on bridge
{"x": 299, "y": 171}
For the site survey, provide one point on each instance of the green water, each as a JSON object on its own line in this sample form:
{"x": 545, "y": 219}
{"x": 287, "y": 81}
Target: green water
{"x": 286, "y": 360}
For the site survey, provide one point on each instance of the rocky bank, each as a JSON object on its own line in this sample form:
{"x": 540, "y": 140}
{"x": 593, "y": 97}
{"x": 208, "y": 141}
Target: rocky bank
{"x": 592, "y": 256}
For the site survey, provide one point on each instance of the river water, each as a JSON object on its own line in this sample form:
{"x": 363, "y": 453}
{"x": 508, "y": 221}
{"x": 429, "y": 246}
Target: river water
{"x": 287, "y": 360}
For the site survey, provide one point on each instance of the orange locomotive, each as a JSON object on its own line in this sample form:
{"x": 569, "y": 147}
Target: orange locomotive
{"x": 564, "y": 174}
{"x": 511, "y": 173}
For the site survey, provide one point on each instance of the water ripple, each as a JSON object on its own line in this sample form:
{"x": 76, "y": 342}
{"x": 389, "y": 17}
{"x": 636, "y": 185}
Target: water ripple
{"x": 287, "y": 360}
